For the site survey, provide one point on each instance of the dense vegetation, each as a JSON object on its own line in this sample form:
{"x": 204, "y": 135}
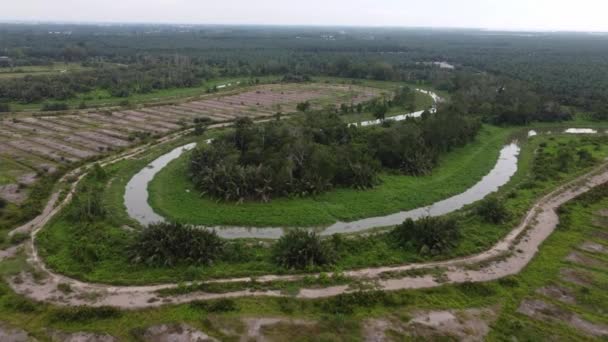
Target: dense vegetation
{"x": 100, "y": 251}
{"x": 318, "y": 152}
{"x": 563, "y": 69}
{"x": 169, "y": 244}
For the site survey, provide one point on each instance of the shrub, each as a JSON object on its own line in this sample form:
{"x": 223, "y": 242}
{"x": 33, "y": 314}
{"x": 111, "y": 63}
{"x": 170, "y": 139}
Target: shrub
{"x": 492, "y": 210}
{"x": 169, "y": 244}
{"x": 346, "y": 303}
{"x": 18, "y": 238}
{"x": 20, "y": 304}
{"x": 54, "y": 106}
{"x": 428, "y": 235}
{"x": 87, "y": 205}
{"x": 5, "y": 107}
{"x": 471, "y": 289}
{"x": 84, "y": 313}
{"x": 299, "y": 249}
{"x": 3, "y": 203}
{"x": 221, "y": 305}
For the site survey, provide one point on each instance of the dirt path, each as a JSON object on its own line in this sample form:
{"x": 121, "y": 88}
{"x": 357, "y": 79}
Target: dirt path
{"x": 509, "y": 256}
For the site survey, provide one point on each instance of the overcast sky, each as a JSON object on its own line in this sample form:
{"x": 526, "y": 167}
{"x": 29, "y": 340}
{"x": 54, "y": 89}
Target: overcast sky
{"x": 577, "y": 15}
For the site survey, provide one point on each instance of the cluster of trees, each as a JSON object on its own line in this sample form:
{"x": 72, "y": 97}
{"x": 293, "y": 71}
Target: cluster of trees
{"x": 299, "y": 249}
{"x": 318, "y": 152}
{"x": 570, "y": 69}
{"x": 500, "y": 100}
{"x": 549, "y": 164}
{"x": 170, "y": 244}
{"x": 428, "y": 235}
{"x": 119, "y": 81}
{"x": 298, "y": 157}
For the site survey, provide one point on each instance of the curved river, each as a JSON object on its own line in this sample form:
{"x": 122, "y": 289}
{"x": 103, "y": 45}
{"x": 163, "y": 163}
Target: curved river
{"x": 136, "y": 200}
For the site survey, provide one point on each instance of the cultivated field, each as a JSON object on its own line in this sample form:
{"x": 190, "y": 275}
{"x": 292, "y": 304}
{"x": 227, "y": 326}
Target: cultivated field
{"x": 41, "y": 144}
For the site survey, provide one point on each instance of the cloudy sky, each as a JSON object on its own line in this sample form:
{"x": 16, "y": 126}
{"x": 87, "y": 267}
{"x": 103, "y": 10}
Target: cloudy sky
{"x": 579, "y": 15}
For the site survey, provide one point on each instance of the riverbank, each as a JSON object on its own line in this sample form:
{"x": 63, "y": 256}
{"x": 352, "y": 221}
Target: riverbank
{"x": 173, "y": 196}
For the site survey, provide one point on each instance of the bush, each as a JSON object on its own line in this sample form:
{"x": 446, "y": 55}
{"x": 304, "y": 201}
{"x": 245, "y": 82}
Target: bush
{"x": 221, "y": 305}
{"x": 87, "y": 205}
{"x": 428, "y": 235}
{"x": 84, "y": 314}
{"x": 3, "y": 203}
{"x": 18, "y": 238}
{"x": 169, "y": 244}
{"x": 20, "y": 304}
{"x": 346, "y": 303}
{"x": 471, "y": 289}
{"x": 5, "y": 107}
{"x": 492, "y": 210}
{"x": 299, "y": 249}
{"x": 54, "y": 106}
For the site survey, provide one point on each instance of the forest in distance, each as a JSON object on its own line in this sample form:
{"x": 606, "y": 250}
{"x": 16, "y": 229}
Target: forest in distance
{"x": 569, "y": 68}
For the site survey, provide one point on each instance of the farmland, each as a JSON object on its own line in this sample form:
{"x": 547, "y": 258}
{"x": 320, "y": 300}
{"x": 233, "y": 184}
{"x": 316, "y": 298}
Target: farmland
{"x": 45, "y": 143}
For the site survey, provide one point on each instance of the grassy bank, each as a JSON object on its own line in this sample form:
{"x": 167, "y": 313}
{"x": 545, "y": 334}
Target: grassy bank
{"x": 343, "y": 318}
{"x": 99, "y": 251}
{"x": 173, "y": 195}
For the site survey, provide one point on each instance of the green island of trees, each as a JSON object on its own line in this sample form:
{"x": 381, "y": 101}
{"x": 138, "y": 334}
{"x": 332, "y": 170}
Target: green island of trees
{"x": 314, "y": 153}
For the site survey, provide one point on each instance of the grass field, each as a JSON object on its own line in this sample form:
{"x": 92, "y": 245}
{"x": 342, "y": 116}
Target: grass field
{"x": 53, "y": 69}
{"x": 99, "y": 252}
{"x": 102, "y": 98}
{"x": 345, "y": 318}
{"x": 10, "y": 171}
{"x": 457, "y": 171}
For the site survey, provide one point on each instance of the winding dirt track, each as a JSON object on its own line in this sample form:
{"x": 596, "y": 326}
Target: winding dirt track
{"x": 509, "y": 256}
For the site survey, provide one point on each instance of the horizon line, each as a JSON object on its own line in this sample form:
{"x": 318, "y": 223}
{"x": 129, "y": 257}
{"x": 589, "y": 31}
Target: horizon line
{"x": 167, "y": 23}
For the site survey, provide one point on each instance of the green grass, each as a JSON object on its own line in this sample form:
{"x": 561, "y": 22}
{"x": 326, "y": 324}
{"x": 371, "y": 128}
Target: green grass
{"x": 53, "y": 69}
{"x": 10, "y": 171}
{"x": 423, "y": 102}
{"x": 102, "y": 98}
{"x": 98, "y": 252}
{"x": 457, "y": 171}
{"x": 342, "y": 320}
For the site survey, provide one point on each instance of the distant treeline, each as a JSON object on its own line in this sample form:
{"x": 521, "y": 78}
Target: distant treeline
{"x": 570, "y": 69}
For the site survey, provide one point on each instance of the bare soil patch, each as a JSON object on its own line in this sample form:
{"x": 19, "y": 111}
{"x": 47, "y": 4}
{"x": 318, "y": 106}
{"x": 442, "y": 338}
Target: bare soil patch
{"x": 81, "y": 336}
{"x": 563, "y": 294}
{"x": 174, "y": 333}
{"x": 576, "y": 277}
{"x": 9, "y": 334}
{"x": 460, "y": 325}
{"x": 276, "y": 329}
{"x": 465, "y": 325}
{"x": 594, "y": 247}
{"x": 581, "y": 259}
{"x": 544, "y": 311}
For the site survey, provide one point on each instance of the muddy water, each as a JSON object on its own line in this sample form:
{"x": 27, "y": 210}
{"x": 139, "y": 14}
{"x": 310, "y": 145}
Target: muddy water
{"x": 136, "y": 200}
{"x": 136, "y": 195}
